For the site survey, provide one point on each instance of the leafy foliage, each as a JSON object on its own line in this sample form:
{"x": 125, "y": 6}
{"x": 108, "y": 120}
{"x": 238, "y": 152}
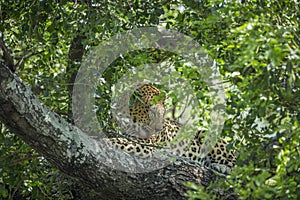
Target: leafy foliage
{"x": 256, "y": 46}
{"x": 25, "y": 174}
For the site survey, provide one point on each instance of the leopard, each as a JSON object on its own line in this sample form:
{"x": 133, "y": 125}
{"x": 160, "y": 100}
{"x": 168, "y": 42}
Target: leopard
{"x": 137, "y": 113}
{"x": 162, "y": 132}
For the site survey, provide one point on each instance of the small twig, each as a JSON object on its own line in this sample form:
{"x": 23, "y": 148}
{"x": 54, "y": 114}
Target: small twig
{"x": 185, "y": 106}
{"x": 297, "y": 37}
{"x": 13, "y": 154}
{"x": 173, "y": 111}
{"x": 24, "y": 57}
{"x": 130, "y": 7}
{"x": 62, "y": 113}
{"x": 16, "y": 188}
{"x": 24, "y": 159}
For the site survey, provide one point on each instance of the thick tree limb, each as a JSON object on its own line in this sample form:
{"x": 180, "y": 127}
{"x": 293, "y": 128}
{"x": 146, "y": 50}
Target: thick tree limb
{"x": 70, "y": 150}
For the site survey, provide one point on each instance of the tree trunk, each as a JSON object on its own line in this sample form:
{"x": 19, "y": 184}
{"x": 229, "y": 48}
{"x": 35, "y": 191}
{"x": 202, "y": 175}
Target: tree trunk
{"x": 79, "y": 156}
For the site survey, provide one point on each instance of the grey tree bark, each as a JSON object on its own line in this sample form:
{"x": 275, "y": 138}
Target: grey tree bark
{"x": 70, "y": 150}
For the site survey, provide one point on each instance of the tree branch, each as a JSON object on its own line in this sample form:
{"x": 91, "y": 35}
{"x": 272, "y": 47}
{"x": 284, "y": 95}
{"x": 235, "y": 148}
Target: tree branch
{"x": 25, "y": 159}
{"x": 7, "y": 56}
{"x": 25, "y": 57}
{"x": 76, "y": 52}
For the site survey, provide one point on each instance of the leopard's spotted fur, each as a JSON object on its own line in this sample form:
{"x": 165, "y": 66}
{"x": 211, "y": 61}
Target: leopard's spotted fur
{"x": 143, "y": 112}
